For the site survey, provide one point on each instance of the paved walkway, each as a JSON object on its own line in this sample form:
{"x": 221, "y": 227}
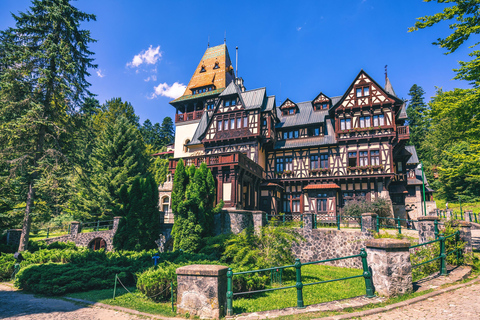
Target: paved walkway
{"x": 21, "y": 306}
{"x": 461, "y": 304}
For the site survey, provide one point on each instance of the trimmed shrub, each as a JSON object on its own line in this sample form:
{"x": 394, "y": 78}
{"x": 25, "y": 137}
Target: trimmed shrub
{"x": 155, "y": 282}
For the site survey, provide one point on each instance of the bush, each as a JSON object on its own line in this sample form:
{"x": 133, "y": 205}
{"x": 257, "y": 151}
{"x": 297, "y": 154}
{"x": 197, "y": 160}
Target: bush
{"x": 357, "y": 206}
{"x": 155, "y": 282}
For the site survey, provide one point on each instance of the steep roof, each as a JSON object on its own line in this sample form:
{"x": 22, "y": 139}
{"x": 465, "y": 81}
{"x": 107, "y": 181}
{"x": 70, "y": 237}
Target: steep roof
{"x": 202, "y": 126}
{"x": 233, "y": 89}
{"x": 305, "y": 115}
{"x": 254, "y": 99}
{"x": 389, "y": 87}
{"x": 414, "y": 158}
{"x": 327, "y": 139}
{"x": 215, "y": 68}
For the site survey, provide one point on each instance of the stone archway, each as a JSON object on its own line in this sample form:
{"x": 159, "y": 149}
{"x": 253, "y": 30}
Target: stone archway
{"x": 97, "y": 244}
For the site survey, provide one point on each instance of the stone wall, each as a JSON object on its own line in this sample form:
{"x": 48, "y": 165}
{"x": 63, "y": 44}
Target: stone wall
{"x": 235, "y": 221}
{"x": 322, "y": 244}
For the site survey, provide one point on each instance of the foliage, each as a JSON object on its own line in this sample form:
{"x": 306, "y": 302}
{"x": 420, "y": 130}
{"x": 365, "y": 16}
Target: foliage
{"x": 140, "y": 225}
{"x": 43, "y": 64}
{"x": 111, "y": 110}
{"x": 193, "y": 198}
{"x": 272, "y": 247}
{"x": 359, "y": 205}
{"x": 156, "y": 135}
{"x": 118, "y": 158}
{"x": 416, "y": 112}
{"x": 155, "y": 282}
{"x": 159, "y": 169}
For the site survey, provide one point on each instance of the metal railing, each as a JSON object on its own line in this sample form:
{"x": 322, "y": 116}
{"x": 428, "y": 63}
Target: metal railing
{"x": 49, "y": 231}
{"x": 394, "y": 223}
{"x": 298, "y": 278}
{"x": 443, "y": 255}
{"x": 96, "y": 226}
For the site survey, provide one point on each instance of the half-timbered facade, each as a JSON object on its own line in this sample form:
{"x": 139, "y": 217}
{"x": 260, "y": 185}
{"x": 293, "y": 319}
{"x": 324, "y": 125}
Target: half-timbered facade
{"x": 298, "y": 157}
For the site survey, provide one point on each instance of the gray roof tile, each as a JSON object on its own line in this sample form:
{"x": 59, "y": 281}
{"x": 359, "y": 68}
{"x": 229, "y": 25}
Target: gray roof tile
{"x": 306, "y": 115}
{"x": 254, "y": 99}
{"x": 327, "y": 139}
{"x": 270, "y": 103}
{"x": 202, "y": 126}
{"x": 414, "y": 158}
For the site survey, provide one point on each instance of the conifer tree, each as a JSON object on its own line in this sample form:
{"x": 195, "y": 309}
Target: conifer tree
{"x": 417, "y": 118}
{"x": 43, "y": 62}
{"x": 117, "y": 159}
{"x": 140, "y": 225}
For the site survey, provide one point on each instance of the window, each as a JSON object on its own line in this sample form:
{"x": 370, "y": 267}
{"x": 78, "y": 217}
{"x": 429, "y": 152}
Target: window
{"x": 291, "y": 111}
{"x": 210, "y": 105}
{"x": 363, "y": 160}
{"x": 285, "y": 112}
{"x": 375, "y": 157}
{"x": 216, "y": 66}
{"x": 245, "y": 121}
{"x": 289, "y": 163}
{"x": 362, "y": 92}
{"x": 345, "y": 124}
{"x": 296, "y": 206}
{"x": 234, "y": 102}
{"x": 225, "y": 125}
{"x": 316, "y": 131}
{"x": 322, "y": 205}
{"x": 352, "y": 159}
{"x": 364, "y": 122}
{"x": 203, "y": 69}
{"x": 279, "y": 164}
{"x": 324, "y": 105}
{"x": 285, "y": 135}
{"x": 399, "y": 166}
{"x": 239, "y": 123}
{"x": 295, "y": 134}
{"x": 227, "y": 103}
{"x": 378, "y": 120}
{"x": 264, "y": 122}
{"x": 232, "y": 124}
{"x": 219, "y": 125}
{"x": 185, "y": 148}
{"x": 324, "y": 161}
{"x": 314, "y": 161}
{"x": 290, "y": 135}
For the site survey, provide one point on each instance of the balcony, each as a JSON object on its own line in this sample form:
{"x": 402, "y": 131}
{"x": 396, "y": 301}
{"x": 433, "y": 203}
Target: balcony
{"x": 364, "y": 133}
{"x": 188, "y": 116}
{"x": 223, "y": 159}
{"x": 403, "y": 132}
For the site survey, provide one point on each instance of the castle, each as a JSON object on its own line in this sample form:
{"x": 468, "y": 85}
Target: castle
{"x": 297, "y": 157}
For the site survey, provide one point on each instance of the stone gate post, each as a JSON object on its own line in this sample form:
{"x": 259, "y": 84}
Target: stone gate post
{"x": 74, "y": 228}
{"x": 307, "y": 221}
{"x": 116, "y": 221}
{"x": 426, "y": 228}
{"x": 465, "y": 234}
{"x": 369, "y": 222}
{"x": 389, "y": 261}
{"x": 202, "y": 290}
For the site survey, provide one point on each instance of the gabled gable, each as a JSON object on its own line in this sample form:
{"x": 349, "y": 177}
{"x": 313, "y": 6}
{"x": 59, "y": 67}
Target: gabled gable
{"x": 321, "y": 102}
{"x": 365, "y": 91}
{"x": 287, "y": 106}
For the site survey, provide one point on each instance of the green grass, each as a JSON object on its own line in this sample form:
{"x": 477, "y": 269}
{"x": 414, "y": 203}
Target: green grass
{"x": 474, "y": 206}
{"x": 311, "y": 294}
{"x": 43, "y": 235}
{"x": 134, "y": 300}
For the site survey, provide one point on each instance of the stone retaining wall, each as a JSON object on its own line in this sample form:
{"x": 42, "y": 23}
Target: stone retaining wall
{"x": 236, "y": 221}
{"x": 322, "y": 244}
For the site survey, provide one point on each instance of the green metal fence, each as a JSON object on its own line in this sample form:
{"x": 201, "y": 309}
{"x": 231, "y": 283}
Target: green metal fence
{"x": 299, "y": 284}
{"x": 443, "y": 255}
{"x": 394, "y": 223}
{"x": 96, "y": 226}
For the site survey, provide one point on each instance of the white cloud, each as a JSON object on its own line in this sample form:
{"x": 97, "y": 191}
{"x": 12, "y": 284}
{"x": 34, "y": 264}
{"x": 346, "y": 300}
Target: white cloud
{"x": 299, "y": 28}
{"x": 151, "y": 78}
{"x": 100, "y": 73}
{"x": 174, "y": 91}
{"x": 150, "y": 56}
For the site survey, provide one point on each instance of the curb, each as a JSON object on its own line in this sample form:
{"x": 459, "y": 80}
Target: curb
{"x": 117, "y": 308}
{"x": 400, "y": 304}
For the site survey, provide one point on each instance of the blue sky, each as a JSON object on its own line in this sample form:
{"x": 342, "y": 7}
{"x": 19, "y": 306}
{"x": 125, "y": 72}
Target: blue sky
{"x": 295, "y": 49}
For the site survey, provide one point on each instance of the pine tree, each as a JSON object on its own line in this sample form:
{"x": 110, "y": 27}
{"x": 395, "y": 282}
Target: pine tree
{"x": 167, "y": 131}
{"x": 140, "y": 225}
{"x": 117, "y": 159}
{"x": 44, "y": 63}
{"x": 417, "y": 121}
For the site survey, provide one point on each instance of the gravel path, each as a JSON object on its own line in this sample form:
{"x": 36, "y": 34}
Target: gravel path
{"x": 16, "y": 305}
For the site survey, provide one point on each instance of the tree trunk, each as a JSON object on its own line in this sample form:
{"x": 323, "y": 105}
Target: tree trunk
{"x": 26, "y": 219}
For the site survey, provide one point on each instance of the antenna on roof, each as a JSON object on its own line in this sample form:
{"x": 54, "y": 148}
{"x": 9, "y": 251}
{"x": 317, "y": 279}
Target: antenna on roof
{"x": 208, "y": 43}
{"x": 225, "y": 37}
{"x": 236, "y": 64}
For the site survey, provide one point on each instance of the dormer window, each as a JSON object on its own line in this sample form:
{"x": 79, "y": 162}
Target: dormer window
{"x": 210, "y": 105}
{"x": 230, "y": 102}
{"x": 363, "y": 92}
{"x": 203, "y": 69}
{"x": 216, "y": 65}
{"x": 321, "y": 106}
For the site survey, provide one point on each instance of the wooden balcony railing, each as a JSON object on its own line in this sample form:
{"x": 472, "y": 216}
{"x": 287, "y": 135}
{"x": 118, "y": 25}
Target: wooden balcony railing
{"x": 403, "y": 132}
{"x": 236, "y": 158}
{"x": 195, "y": 115}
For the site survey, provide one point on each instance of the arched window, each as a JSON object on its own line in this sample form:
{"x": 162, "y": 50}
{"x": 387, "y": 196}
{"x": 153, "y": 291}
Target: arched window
{"x": 165, "y": 203}
{"x": 185, "y": 147}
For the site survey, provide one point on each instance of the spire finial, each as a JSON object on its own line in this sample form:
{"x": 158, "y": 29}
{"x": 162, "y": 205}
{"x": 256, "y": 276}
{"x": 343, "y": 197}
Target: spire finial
{"x": 208, "y": 43}
{"x": 225, "y": 37}
{"x": 386, "y": 75}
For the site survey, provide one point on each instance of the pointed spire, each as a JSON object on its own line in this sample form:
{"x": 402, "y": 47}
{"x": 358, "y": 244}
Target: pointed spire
{"x": 225, "y": 37}
{"x": 208, "y": 43}
{"x": 388, "y": 85}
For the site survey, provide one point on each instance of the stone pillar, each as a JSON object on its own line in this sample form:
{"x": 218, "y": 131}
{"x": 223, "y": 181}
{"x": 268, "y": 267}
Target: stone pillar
{"x": 307, "y": 221}
{"x": 369, "y": 222}
{"x": 465, "y": 234}
{"x": 202, "y": 290}
{"x": 389, "y": 262}
{"x": 74, "y": 228}
{"x": 426, "y": 228}
{"x": 116, "y": 221}
{"x": 13, "y": 237}
{"x": 259, "y": 220}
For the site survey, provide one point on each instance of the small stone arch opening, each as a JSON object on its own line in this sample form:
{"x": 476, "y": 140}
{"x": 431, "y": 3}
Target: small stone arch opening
{"x": 97, "y": 244}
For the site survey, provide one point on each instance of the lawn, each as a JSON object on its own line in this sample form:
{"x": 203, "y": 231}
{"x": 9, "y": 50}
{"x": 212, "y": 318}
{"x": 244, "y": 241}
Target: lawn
{"x": 474, "y": 206}
{"x": 313, "y": 294}
{"x": 134, "y": 300}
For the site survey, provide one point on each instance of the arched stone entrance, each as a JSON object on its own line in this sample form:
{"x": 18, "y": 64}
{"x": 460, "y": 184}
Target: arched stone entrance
{"x": 97, "y": 244}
